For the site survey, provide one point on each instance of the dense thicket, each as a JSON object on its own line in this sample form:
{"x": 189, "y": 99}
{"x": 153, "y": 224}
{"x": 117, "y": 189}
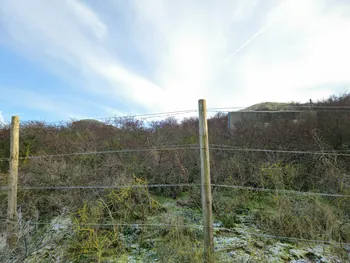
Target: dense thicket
{"x": 329, "y": 131}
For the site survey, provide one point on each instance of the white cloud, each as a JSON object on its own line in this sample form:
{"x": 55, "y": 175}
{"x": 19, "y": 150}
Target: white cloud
{"x": 87, "y": 17}
{"x": 233, "y": 53}
{"x": 2, "y": 120}
{"x": 308, "y": 48}
{"x": 291, "y": 51}
{"x": 59, "y": 32}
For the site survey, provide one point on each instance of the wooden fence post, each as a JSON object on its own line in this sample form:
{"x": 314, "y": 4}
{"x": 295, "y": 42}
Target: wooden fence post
{"x": 13, "y": 178}
{"x": 205, "y": 182}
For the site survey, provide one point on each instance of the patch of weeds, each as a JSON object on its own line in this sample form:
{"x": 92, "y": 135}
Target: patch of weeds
{"x": 306, "y": 217}
{"x": 230, "y": 206}
{"x": 99, "y": 230}
{"x": 179, "y": 245}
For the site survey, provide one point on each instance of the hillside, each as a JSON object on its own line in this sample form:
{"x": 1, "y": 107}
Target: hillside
{"x": 270, "y": 106}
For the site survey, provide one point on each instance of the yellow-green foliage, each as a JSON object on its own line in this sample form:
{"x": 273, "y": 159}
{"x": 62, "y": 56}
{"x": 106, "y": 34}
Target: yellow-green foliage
{"x": 179, "y": 245}
{"x": 185, "y": 252}
{"x": 91, "y": 240}
{"x": 190, "y": 139}
{"x": 3, "y": 179}
{"x": 97, "y": 226}
{"x": 131, "y": 203}
{"x": 305, "y": 217}
{"x": 278, "y": 175}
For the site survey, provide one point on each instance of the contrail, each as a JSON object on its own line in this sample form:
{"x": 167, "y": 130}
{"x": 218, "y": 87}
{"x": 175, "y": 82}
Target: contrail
{"x": 258, "y": 33}
{"x": 246, "y": 43}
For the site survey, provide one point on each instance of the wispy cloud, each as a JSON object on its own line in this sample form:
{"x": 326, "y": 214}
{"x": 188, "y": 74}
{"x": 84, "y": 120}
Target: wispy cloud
{"x": 70, "y": 34}
{"x": 164, "y": 55}
{"x": 309, "y": 50}
{"x": 297, "y": 46}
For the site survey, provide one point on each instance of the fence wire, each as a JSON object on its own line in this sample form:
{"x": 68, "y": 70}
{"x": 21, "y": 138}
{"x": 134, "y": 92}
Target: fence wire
{"x": 284, "y": 191}
{"x": 213, "y": 147}
{"x": 262, "y": 235}
{"x": 230, "y": 148}
{"x": 99, "y": 187}
{"x": 290, "y": 108}
{"x": 147, "y": 149}
{"x": 111, "y": 225}
{"x": 134, "y": 116}
{"x": 185, "y": 147}
{"x": 330, "y": 242}
{"x": 280, "y": 191}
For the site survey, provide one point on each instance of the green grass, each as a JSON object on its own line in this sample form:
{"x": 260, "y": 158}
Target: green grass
{"x": 271, "y": 106}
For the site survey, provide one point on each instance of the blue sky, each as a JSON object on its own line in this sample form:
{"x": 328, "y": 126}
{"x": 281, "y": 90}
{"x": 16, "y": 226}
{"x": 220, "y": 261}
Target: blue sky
{"x": 62, "y": 59}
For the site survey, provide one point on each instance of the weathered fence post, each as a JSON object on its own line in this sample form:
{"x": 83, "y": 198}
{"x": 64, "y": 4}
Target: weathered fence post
{"x": 205, "y": 182}
{"x": 13, "y": 178}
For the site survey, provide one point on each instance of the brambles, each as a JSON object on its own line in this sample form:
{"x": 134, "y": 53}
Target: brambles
{"x": 271, "y": 213}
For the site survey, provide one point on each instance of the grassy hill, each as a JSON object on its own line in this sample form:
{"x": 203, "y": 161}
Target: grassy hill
{"x": 271, "y": 106}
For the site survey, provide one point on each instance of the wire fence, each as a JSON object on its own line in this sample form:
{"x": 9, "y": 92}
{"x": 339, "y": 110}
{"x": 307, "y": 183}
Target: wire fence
{"x": 149, "y": 116}
{"x": 185, "y": 147}
{"x": 191, "y": 147}
{"x": 100, "y": 187}
{"x": 241, "y": 187}
{"x": 199, "y": 227}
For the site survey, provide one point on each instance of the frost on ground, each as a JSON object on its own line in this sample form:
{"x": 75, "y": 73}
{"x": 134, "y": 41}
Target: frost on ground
{"x": 234, "y": 245}
{"x": 2, "y": 240}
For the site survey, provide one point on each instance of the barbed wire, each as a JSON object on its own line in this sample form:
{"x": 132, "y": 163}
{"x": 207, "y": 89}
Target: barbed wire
{"x": 147, "y": 149}
{"x": 99, "y": 186}
{"x": 290, "y": 106}
{"x": 330, "y": 242}
{"x": 177, "y": 185}
{"x": 215, "y": 109}
{"x": 299, "y": 239}
{"x": 142, "y": 116}
{"x": 228, "y": 148}
{"x": 112, "y": 225}
{"x": 280, "y": 191}
{"x": 278, "y": 111}
{"x": 124, "y": 224}
{"x": 233, "y": 147}
{"x": 159, "y": 114}
{"x": 185, "y": 147}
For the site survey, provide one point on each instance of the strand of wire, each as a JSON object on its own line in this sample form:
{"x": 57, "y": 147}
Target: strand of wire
{"x": 147, "y": 149}
{"x": 299, "y": 239}
{"x": 288, "y": 106}
{"x": 178, "y": 185}
{"x": 287, "y": 238}
{"x": 127, "y": 224}
{"x": 112, "y": 225}
{"x": 218, "y": 109}
{"x": 185, "y": 147}
{"x": 232, "y": 147}
{"x": 100, "y": 186}
{"x": 279, "y": 111}
{"x": 149, "y": 115}
{"x": 280, "y": 191}
{"x": 228, "y": 148}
